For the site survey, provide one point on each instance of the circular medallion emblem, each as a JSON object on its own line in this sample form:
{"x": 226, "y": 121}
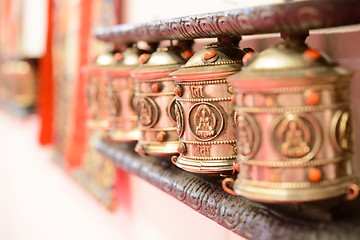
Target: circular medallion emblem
{"x": 91, "y": 95}
{"x": 206, "y": 121}
{"x": 115, "y": 106}
{"x": 341, "y": 131}
{"x": 297, "y": 137}
{"x": 133, "y": 102}
{"x": 179, "y": 116}
{"x": 248, "y": 135}
{"x": 102, "y": 96}
{"x": 148, "y": 112}
{"x": 171, "y": 110}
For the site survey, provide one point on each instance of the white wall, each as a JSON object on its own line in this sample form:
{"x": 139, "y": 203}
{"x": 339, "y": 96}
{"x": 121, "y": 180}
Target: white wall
{"x": 39, "y": 201}
{"x": 138, "y": 11}
{"x": 34, "y": 28}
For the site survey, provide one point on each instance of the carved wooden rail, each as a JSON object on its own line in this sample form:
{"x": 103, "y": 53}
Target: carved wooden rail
{"x": 244, "y": 217}
{"x": 204, "y": 193}
{"x": 290, "y": 17}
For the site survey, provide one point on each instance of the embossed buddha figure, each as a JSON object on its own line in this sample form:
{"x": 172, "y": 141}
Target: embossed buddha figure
{"x": 294, "y": 144}
{"x": 204, "y": 111}
{"x": 245, "y": 137}
{"x": 156, "y": 100}
{"x": 96, "y": 94}
{"x": 205, "y": 122}
{"x": 145, "y": 112}
{"x": 292, "y": 116}
{"x": 123, "y": 119}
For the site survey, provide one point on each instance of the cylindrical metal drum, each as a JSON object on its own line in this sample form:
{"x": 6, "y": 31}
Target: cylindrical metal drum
{"x": 204, "y": 111}
{"x": 293, "y": 126}
{"x": 156, "y": 101}
{"x": 123, "y": 120}
{"x": 96, "y": 92}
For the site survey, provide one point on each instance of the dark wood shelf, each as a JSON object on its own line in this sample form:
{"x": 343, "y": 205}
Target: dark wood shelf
{"x": 246, "y": 218}
{"x": 290, "y": 17}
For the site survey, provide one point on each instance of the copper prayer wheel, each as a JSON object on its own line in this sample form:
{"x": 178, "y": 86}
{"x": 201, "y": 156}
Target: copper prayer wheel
{"x": 204, "y": 110}
{"x": 156, "y": 101}
{"x": 123, "y": 120}
{"x": 96, "y": 92}
{"x": 293, "y": 126}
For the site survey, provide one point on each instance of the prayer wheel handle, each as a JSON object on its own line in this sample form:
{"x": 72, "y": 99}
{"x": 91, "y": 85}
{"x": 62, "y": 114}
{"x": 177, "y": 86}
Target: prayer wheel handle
{"x": 352, "y": 191}
{"x": 227, "y": 185}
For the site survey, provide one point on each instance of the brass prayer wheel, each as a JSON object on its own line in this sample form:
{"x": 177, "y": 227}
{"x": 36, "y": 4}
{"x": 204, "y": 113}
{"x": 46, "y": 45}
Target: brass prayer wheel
{"x": 204, "y": 110}
{"x": 293, "y": 126}
{"x": 156, "y": 101}
{"x": 123, "y": 119}
{"x": 96, "y": 92}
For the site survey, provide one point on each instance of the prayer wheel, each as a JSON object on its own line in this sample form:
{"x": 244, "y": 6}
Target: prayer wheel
{"x": 156, "y": 101}
{"x": 293, "y": 125}
{"x": 96, "y": 92}
{"x": 204, "y": 110}
{"x": 123, "y": 119}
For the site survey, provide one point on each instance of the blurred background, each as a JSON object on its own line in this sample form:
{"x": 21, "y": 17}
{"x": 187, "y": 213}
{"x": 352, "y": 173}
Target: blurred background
{"x": 51, "y": 181}
{"x": 48, "y": 189}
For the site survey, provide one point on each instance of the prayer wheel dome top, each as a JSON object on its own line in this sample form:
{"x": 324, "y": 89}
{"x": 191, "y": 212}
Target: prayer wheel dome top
{"x": 161, "y": 62}
{"x": 124, "y": 62}
{"x": 291, "y": 54}
{"x": 129, "y": 57}
{"x": 217, "y": 53}
{"x": 105, "y": 59}
{"x": 287, "y": 63}
{"x": 214, "y": 60}
{"x": 97, "y": 65}
{"x": 163, "y": 56}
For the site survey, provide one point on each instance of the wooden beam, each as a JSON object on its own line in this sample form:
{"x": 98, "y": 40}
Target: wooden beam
{"x": 246, "y": 218}
{"x": 289, "y": 17}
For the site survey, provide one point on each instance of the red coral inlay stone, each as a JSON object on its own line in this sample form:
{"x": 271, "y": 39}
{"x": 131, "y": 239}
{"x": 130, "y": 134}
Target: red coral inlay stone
{"x": 247, "y": 56}
{"x": 209, "y": 54}
{"x": 178, "y": 91}
{"x": 312, "y": 98}
{"x": 156, "y": 87}
{"x": 314, "y": 174}
{"x": 161, "y": 136}
{"x": 118, "y": 57}
{"x": 187, "y": 54}
{"x": 312, "y": 54}
{"x": 144, "y": 57}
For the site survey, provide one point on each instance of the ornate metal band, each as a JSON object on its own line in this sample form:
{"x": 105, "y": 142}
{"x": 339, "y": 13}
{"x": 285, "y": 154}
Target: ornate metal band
{"x": 156, "y": 142}
{"x": 299, "y": 109}
{"x": 195, "y": 100}
{"x": 214, "y": 64}
{"x": 165, "y": 79}
{"x": 341, "y": 84}
{"x": 210, "y": 158}
{"x": 209, "y": 82}
{"x": 296, "y": 185}
{"x": 209, "y": 142}
{"x": 137, "y": 94}
{"x": 289, "y": 16}
{"x": 158, "y": 129}
{"x": 294, "y": 163}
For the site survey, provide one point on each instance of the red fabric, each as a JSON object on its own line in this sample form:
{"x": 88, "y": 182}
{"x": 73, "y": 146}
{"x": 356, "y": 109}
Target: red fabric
{"x": 45, "y": 89}
{"x": 77, "y": 140}
{"x": 117, "y": 12}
